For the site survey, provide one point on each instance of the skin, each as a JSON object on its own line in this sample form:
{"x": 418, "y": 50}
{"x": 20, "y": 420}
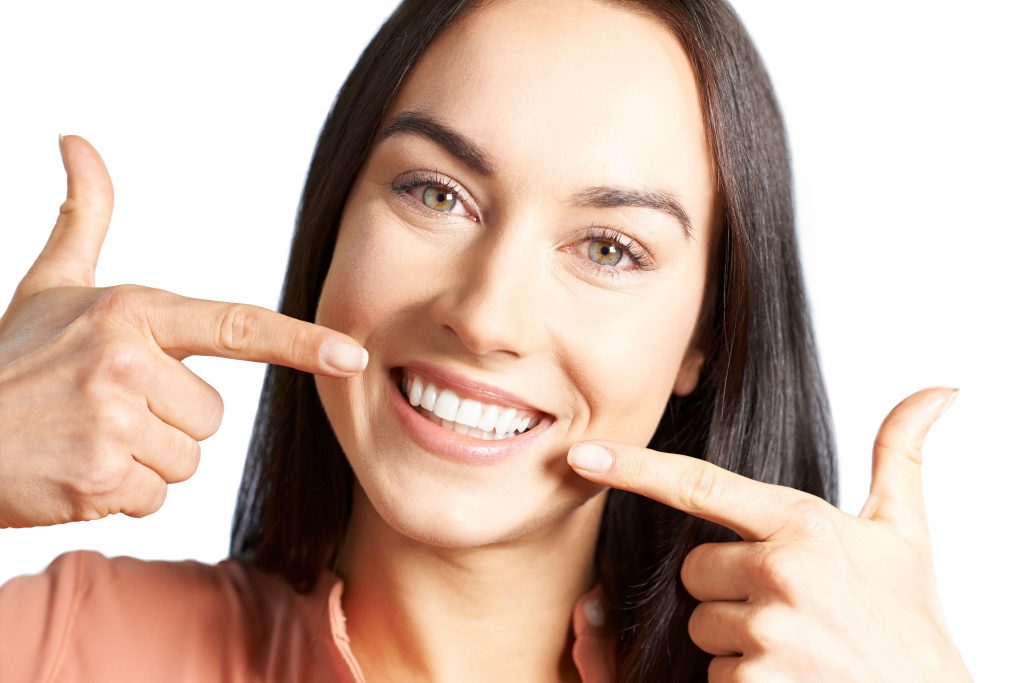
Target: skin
{"x": 811, "y": 593}
{"x": 502, "y": 288}
{"x": 451, "y": 568}
{"x": 99, "y": 415}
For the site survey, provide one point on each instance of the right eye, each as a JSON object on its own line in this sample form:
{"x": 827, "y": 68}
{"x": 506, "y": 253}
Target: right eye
{"x": 433, "y": 192}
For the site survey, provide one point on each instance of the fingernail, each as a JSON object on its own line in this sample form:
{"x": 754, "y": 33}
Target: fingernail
{"x": 949, "y": 401}
{"x": 591, "y": 458}
{"x": 343, "y": 356}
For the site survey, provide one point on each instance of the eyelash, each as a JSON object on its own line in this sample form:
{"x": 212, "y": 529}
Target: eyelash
{"x": 593, "y": 232}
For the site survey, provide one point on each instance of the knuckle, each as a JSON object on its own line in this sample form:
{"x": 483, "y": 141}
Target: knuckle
{"x": 302, "y": 340}
{"x": 235, "y": 328}
{"x": 763, "y": 629}
{"x": 122, "y": 301}
{"x": 119, "y": 361}
{"x": 697, "y": 491}
{"x": 116, "y": 421}
{"x": 911, "y": 451}
{"x": 778, "y": 568}
{"x": 150, "y": 503}
{"x": 99, "y": 477}
{"x": 189, "y": 461}
{"x": 71, "y": 207}
{"x": 814, "y": 517}
{"x": 86, "y": 510}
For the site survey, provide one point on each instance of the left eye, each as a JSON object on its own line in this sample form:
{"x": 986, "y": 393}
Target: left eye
{"x": 606, "y": 252}
{"x": 438, "y": 198}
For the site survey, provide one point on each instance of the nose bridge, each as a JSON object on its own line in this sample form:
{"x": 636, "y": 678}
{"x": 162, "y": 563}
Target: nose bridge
{"x": 495, "y": 304}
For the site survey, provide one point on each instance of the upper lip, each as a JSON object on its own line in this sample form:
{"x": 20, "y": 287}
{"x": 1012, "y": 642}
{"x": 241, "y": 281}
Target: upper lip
{"x": 470, "y": 388}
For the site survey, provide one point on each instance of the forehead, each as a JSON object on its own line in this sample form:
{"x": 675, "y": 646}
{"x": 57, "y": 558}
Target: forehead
{"x": 570, "y": 92}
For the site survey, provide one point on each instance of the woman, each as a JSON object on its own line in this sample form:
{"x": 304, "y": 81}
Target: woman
{"x": 584, "y": 234}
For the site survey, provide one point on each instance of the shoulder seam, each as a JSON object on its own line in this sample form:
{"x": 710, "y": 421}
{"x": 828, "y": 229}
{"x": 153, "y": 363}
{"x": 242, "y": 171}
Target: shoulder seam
{"x": 76, "y": 596}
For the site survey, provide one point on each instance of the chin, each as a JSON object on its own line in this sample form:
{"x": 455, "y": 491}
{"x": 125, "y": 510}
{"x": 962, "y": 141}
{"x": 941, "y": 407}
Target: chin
{"x": 455, "y": 514}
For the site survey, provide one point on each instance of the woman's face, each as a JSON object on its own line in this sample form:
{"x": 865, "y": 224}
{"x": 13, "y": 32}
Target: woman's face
{"x": 500, "y": 266}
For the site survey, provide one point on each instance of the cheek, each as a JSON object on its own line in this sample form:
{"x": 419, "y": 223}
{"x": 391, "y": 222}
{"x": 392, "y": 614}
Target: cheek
{"x": 366, "y": 282}
{"x": 629, "y": 364}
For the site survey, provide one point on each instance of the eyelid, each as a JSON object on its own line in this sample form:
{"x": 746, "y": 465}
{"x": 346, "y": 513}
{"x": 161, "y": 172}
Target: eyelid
{"x": 632, "y": 248}
{"x": 641, "y": 256}
{"x": 405, "y": 182}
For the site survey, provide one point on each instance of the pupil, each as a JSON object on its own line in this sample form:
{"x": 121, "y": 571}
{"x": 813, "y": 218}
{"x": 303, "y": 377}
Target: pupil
{"x": 440, "y": 198}
{"x": 607, "y": 254}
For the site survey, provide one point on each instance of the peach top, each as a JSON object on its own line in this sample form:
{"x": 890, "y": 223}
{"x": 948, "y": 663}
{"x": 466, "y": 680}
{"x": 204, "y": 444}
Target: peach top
{"x": 88, "y": 617}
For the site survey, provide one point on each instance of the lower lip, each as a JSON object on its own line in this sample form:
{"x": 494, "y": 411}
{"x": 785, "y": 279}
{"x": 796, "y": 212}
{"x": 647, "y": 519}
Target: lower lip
{"x": 459, "y": 447}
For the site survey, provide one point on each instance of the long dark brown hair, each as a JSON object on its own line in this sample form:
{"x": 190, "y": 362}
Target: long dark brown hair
{"x": 759, "y": 409}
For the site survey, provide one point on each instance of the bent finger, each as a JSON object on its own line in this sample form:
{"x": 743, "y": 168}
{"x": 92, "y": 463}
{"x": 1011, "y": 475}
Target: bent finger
{"x": 143, "y": 492}
{"x": 716, "y": 627}
{"x": 166, "y": 450}
{"x": 184, "y": 400}
{"x": 718, "y": 571}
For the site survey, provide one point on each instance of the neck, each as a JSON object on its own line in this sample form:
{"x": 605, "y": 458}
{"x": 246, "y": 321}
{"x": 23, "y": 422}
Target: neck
{"x": 500, "y": 612}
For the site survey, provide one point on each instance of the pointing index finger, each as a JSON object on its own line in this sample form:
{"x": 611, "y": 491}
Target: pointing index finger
{"x": 753, "y": 509}
{"x": 183, "y": 326}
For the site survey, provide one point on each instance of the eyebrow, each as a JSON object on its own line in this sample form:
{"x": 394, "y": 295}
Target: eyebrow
{"x": 462, "y": 148}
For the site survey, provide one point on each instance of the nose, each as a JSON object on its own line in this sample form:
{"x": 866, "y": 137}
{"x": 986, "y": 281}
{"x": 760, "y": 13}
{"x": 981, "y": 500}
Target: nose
{"x": 494, "y": 305}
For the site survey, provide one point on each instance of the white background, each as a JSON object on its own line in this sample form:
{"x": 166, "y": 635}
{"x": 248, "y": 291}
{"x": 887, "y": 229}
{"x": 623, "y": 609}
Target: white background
{"x": 905, "y": 128}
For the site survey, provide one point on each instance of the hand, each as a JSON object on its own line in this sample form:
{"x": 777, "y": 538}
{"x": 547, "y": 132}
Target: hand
{"x": 97, "y": 413}
{"x": 811, "y": 593}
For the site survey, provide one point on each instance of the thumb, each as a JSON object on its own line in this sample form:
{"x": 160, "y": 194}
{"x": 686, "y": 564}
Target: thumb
{"x": 69, "y": 256}
{"x": 897, "y": 493}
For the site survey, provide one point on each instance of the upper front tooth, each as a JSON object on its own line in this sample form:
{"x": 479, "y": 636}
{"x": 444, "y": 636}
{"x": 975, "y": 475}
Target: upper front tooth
{"x": 469, "y": 412}
{"x": 429, "y": 397}
{"x": 489, "y": 418}
{"x": 504, "y": 423}
{"x": 446, "y": 406}
{"x": 416, "y": 391}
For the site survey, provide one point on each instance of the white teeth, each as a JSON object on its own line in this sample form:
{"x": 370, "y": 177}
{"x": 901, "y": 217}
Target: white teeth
{"x": 416, "y": 391}
{"x": 469, "y": 413}
{"x": 504, "y": 423}
{"x": 489, "y": 418}
{"x": 471, "y": 431}
{"x": 429, "y": 397}
{"x": 447, "y": 405}
{"x": 465, "y": 416}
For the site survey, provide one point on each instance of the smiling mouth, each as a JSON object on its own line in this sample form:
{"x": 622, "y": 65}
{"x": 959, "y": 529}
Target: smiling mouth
{"x": 461, "y": 415}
